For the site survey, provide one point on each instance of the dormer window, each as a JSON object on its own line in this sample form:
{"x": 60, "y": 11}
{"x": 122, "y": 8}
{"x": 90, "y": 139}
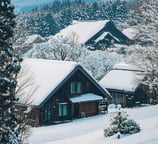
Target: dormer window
{"x": 75, "y": 87}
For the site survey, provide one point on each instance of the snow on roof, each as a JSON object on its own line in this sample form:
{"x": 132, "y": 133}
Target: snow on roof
{"x": 85, "y": 98}
{"x": 102, "y": 36}
{"x": 122, "y": 79}
{"x": 33, "y": 39}
{"x": 83, "y": 30}
{"x": 46, "y": 76}
{"x": 124, "y": 66}
{"x": 131, "y": 32}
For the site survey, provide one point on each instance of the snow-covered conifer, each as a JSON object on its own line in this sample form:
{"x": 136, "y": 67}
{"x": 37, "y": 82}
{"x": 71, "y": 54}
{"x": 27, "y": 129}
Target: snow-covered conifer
{"x": 121, "y": 124}
{"x": 10, "y": 123}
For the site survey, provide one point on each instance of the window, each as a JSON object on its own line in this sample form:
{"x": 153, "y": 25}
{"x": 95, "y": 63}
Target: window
{"x": 47, "y": 115}
{"x": 75, "y": 87}
{"x": 120, "y": 98}
{"x": 63, "y": 108}
{"x": 113, "y": 98}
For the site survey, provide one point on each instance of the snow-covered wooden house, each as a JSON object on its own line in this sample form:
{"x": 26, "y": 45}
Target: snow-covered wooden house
{"x": 124, "y": 84}
{"x": 100, "y": 33}
{"x": 57, "y": 91}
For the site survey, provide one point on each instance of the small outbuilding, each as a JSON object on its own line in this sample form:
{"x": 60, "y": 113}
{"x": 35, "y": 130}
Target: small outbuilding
{"x": 124, "y": 84}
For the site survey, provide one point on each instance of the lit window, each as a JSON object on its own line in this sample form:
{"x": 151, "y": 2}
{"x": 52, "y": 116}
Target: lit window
{"x": 63, "y": 108}
{"x": 75, "y": 87}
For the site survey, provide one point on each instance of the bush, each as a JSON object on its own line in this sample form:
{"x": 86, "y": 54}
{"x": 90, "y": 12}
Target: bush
{"x": 129, "y": 127}
{"x": 110, "y": 131}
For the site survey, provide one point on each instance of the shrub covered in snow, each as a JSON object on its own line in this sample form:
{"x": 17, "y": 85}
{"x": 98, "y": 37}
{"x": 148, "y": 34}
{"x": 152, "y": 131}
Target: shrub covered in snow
{"x": 121, "y": 124}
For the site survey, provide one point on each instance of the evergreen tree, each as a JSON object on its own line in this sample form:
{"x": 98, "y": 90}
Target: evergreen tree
{"x": 50, "y": 19}
{"x": 121, "y": 124}
{"x": 121, "y": 10}
{"x": 10, "y": 123}
{"x": 110, "y": 10}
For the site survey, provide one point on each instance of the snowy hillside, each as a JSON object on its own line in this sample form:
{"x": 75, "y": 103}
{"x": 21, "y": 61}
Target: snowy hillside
{"x": 90, "y": 130}
{"x": 97, "y": 62}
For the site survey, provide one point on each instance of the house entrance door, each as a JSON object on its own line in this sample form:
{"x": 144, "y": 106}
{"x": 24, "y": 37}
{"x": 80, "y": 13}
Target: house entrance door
{"x": 76, "y": 110}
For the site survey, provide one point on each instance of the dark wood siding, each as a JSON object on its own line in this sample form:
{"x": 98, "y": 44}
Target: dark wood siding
{"x": 89, "y": 108}
{"x": 87, "y": 86}
{"x": 119, "y": 98}
{"x": 122, "y": 97}
{"x": 128, "y": 99}
{"x": 53, "y": 105}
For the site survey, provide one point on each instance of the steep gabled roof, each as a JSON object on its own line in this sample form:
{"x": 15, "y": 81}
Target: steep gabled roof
{"x": 123, "y": 77}
{"x": 83, "y": 30}
{"x": 93, "y": 31}
{"x": 47, "y": 77}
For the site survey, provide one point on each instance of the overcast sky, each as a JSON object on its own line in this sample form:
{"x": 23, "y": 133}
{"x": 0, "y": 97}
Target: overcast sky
{"x": 25, "y": 5}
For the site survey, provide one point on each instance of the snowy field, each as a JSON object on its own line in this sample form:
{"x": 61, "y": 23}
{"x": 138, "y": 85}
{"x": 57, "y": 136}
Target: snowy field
{"x": 90, "y": 130}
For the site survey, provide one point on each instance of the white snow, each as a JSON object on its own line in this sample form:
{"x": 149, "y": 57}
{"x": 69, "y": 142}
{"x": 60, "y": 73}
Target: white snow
{"x": 131, "y": 32}
{"x": 105, "y": 34}
{"x": 123, "y": 77}
{"x": 86, "y": 97}
{"x": 33, "y": 39}
{"x": 102, "y": 36}
{"x": 90, "y": 130}
{"x": 124, "y": 66}
{"x": 82, "y": 30}
{"x": 122, "y": 80}
{"x": 46, "y": 75}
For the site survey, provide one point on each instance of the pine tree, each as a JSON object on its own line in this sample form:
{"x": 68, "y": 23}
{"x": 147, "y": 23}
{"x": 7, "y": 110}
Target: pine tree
{"x": 10, "y": 123}
{"x": 121, "y": 10}
{"x": 120, "y": 124}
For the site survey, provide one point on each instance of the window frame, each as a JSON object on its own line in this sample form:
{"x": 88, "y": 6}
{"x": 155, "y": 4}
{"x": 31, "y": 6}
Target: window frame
{"x": 63, "y": 109}
{"x": 75, "y": 87}
{"x": 47, "y": 115}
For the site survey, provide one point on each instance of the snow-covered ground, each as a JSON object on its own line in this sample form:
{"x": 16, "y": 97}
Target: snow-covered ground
{"x": 90, "y": 130}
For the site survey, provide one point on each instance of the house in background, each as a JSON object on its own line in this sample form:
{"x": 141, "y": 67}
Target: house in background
{"x": 98, "y": 34}
{"x": 124, "y": 84}
{"x": 59, "y": 91}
